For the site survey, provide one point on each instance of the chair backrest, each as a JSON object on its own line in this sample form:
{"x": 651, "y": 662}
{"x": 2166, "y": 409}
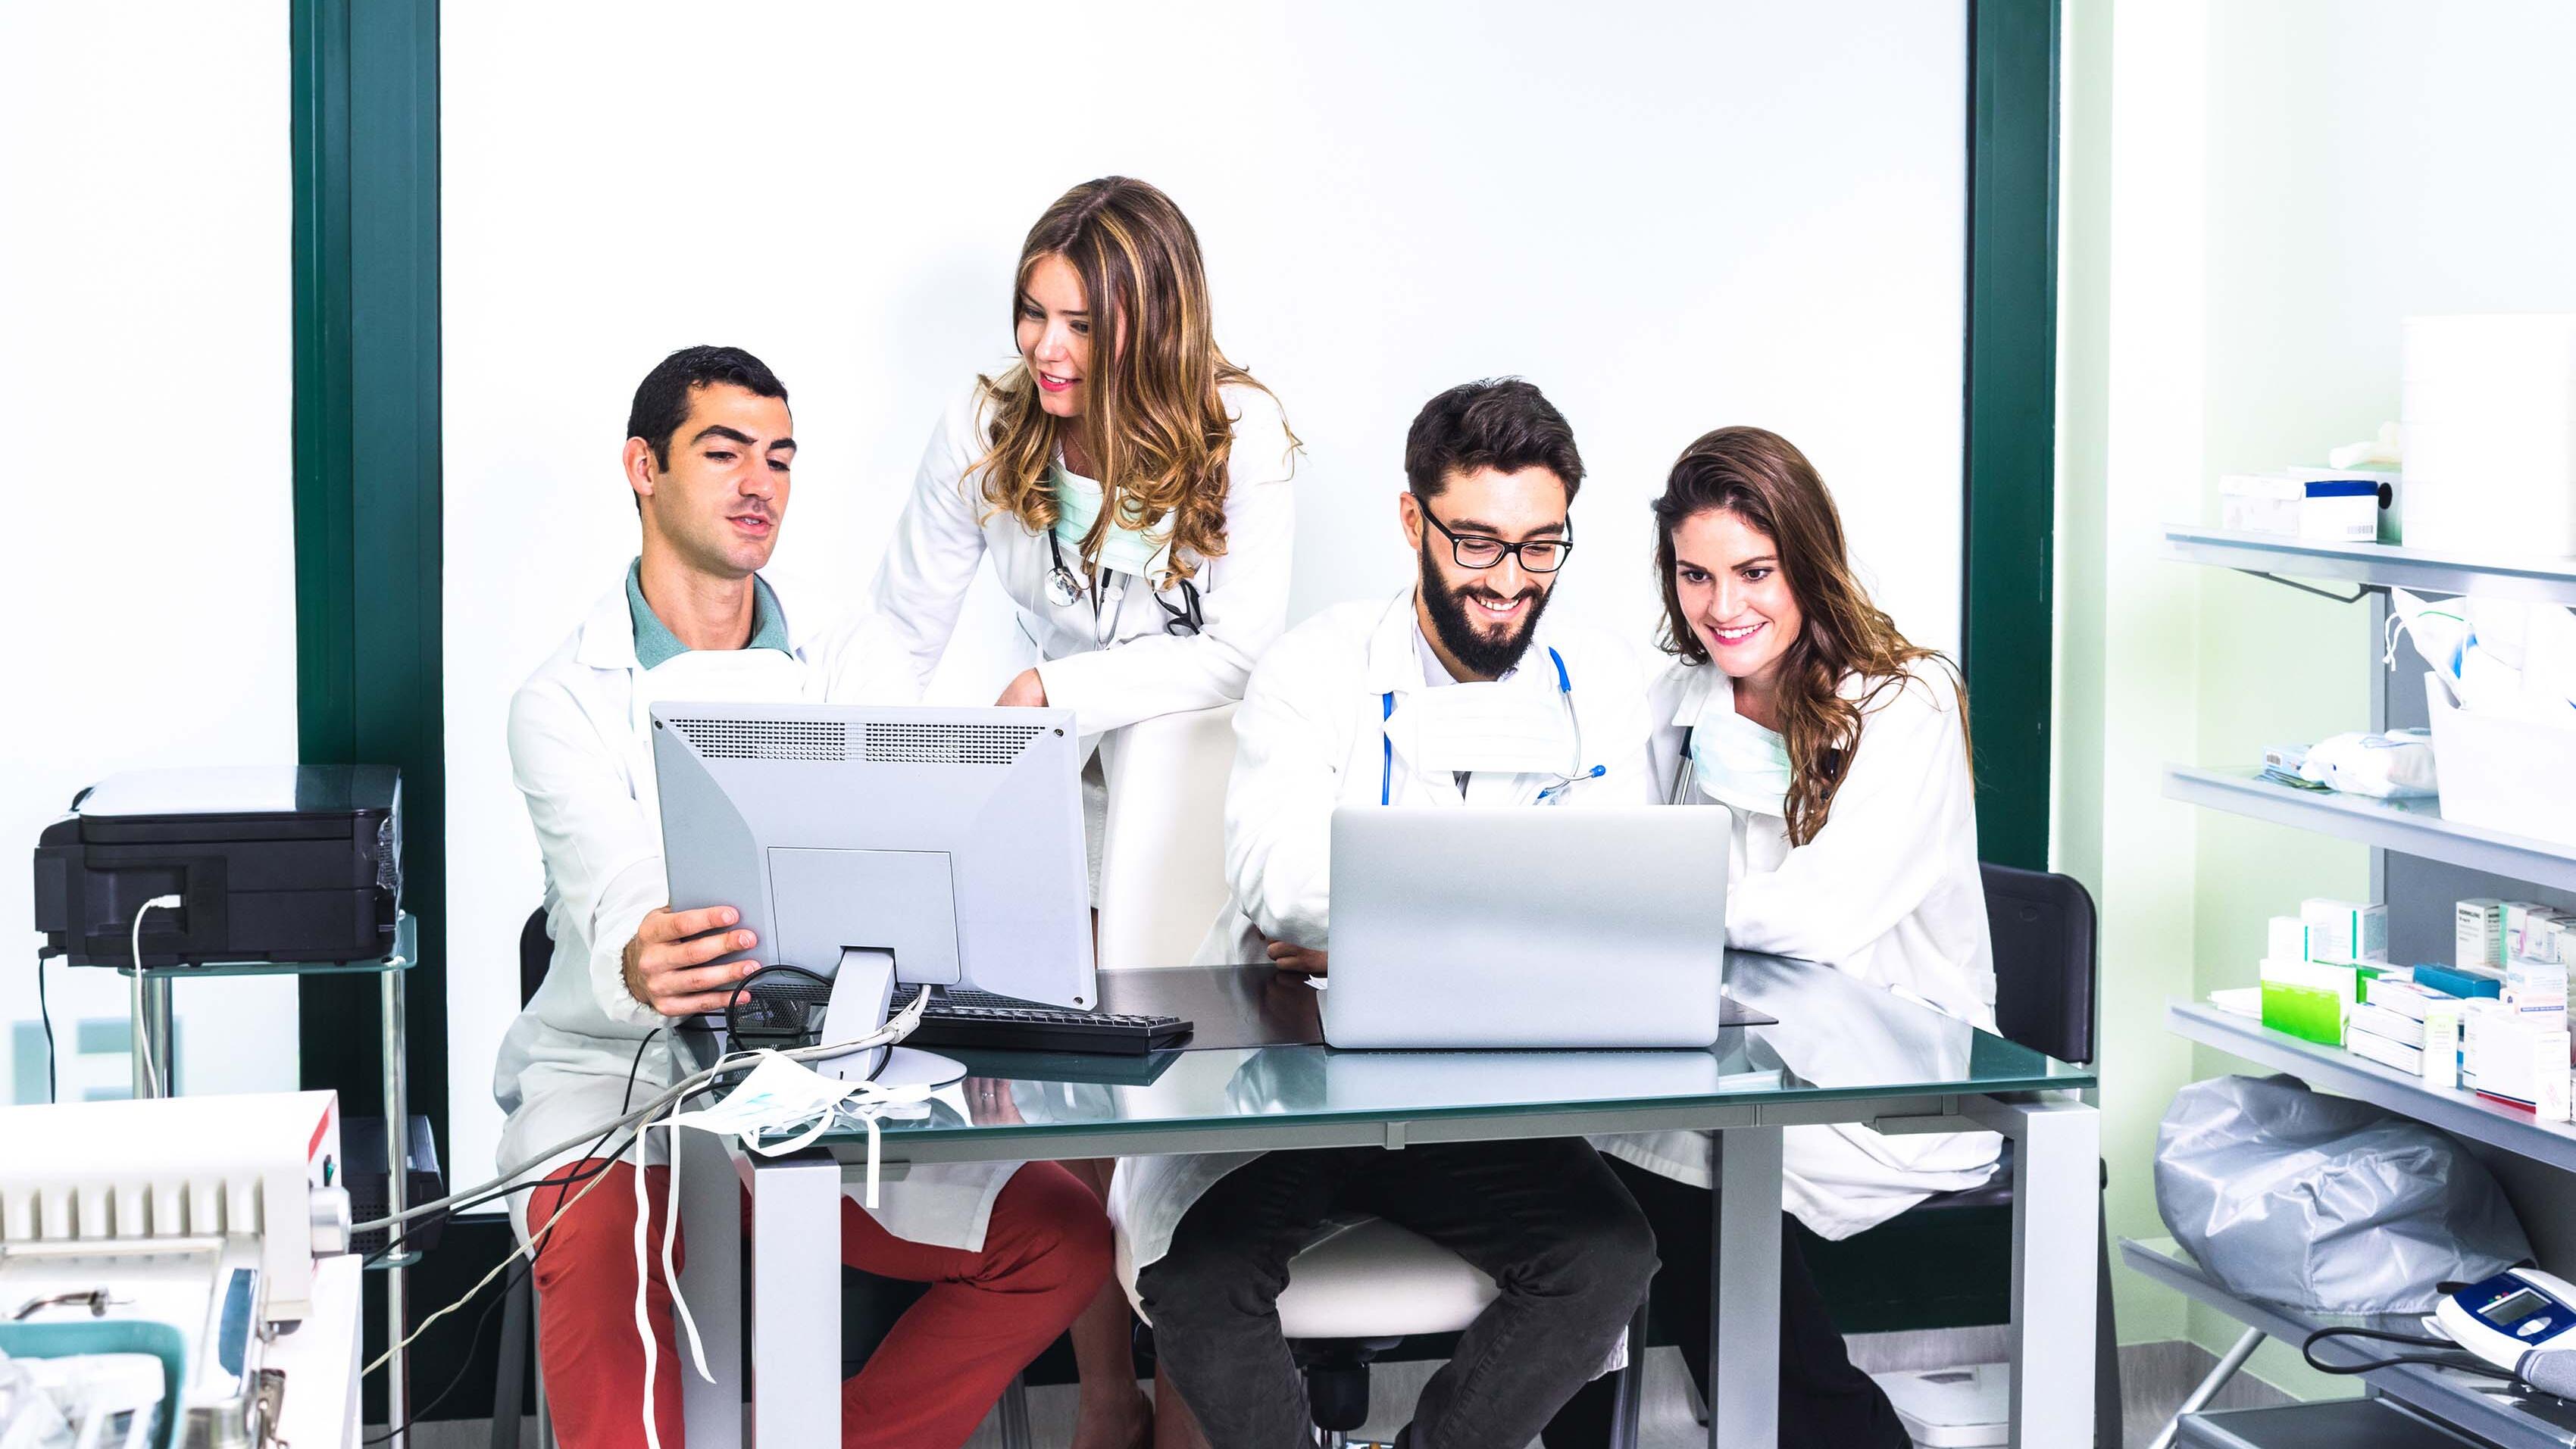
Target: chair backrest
{"x": 2047, "y": 960}
{"x": 1162, "y": 855}
{"x": 536, "y": 953}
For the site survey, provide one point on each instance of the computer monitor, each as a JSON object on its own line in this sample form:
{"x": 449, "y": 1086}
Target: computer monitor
{"x": 883, "y": 845}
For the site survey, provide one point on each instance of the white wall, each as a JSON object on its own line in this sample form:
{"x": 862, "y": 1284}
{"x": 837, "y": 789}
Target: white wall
{"x": 145, "y": 391}
{"x": 1669, "y": 217}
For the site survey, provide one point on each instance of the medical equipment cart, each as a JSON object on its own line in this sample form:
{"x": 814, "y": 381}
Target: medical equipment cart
{"x": 2420, "y": 864}
{"x": 392, "y": 972}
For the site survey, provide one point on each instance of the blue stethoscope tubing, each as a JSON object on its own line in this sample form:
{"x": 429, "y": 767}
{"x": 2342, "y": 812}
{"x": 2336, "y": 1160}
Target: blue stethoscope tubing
{"x": 1564, "y": 691}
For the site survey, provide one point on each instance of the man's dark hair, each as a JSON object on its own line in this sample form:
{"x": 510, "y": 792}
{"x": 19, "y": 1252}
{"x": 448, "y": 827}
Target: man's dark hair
{"x": 662, "y": 399}
{"x": 1500, "y": 423}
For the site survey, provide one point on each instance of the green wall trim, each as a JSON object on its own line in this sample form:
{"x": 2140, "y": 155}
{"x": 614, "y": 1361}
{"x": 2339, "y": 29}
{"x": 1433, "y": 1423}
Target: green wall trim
{"x": 364, "y": 138}
{"x": 2008, "y": 611}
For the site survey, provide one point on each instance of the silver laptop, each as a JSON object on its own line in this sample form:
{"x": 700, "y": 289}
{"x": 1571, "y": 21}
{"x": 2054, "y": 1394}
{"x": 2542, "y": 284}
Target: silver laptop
{"x": 1521, "y": 927}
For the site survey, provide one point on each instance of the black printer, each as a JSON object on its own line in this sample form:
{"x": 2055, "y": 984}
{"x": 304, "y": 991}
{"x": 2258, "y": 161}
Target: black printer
{"x": 271, "y": 863}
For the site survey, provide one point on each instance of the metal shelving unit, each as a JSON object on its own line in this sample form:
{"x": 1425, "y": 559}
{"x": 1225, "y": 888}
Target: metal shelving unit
{"x": 2408, "y": 839}
{"x": 2410, "y": 827}
{"x": 2375, "y": 565}
{"x": 2479, "y": 1406}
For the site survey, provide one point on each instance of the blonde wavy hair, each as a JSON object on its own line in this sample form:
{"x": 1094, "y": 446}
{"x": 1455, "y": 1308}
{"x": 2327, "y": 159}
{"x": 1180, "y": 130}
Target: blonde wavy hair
{"x": 1154, "y": 426}
{"x": 1763, "y": 479}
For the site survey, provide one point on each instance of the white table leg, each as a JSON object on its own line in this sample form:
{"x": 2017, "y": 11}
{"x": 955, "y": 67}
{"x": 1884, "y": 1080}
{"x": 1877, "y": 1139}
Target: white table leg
{"x": 796, "y": 1300}
{"x": 2056, "y": 1236}
{"x": 1744, "y": 1291}
{"x": 711, "y": 1281}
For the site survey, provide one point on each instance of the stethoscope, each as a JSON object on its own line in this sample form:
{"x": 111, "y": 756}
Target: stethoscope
{"x": 1065, "y": 588}
{"x": 1573, "y": 720}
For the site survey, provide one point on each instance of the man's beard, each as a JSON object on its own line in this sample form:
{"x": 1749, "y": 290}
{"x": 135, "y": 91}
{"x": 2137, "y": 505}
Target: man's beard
{"x": 1480, "y": 653}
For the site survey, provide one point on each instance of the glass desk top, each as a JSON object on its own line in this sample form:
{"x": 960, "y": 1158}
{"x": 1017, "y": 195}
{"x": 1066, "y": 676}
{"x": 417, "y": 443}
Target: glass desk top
{"x": 1252, "y": 1080}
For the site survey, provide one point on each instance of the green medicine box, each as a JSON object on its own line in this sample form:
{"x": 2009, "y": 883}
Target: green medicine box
{"x": 2308, "y": 1012}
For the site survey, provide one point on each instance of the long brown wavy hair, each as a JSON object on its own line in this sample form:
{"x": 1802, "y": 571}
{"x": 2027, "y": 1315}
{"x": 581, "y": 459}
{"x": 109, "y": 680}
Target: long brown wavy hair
{"x": 1763, "y": 479}
{"x": 1154, "y": 426}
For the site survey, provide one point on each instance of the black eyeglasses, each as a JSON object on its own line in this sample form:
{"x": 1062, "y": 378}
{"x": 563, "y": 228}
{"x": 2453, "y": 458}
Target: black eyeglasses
{"x": 1475, "y": 551}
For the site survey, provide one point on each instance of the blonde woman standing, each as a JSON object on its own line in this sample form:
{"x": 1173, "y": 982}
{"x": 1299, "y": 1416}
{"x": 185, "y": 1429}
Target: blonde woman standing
{"x": 1131, "y": 487}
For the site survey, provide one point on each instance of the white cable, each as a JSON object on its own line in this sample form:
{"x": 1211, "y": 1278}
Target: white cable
{"x": 893, "y": 1031}
{"x": 152, "y": 1084}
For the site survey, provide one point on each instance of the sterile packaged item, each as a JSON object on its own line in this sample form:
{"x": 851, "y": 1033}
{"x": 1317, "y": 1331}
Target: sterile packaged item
{"x": 2442, "y": 1048}
{"x": 2532, "y": 932}
{"x": 2398, "y": 765}
{"x": 2410, "y": 999}
{"x": 2489, "y": 414}
{"x": 2534, "y": 986}
{"x": 2259, "y": 503}
{"x": 2512, "y": 1058}
{"x": 2549, "y": 1100}
{"x": 2394, "y": 1054}
{"x": 2379, "y": 1021}
{"x": 2460, "y": 981}
{"x": 2288, "y": 939}
{"x": 2345, "y": 930}
{"x": 2479, "y": 929}
{"x": 2387, "y": 486}
{"x": 2281, "y": 765}
{"x": 2339, "y": 510}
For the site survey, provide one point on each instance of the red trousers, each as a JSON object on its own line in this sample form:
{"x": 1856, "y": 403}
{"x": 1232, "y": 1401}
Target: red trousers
{"x": 987, "y": 1314}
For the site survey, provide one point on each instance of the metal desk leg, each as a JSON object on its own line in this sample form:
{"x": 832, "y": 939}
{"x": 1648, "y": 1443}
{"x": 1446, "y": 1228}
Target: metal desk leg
{"x": 711, "y": 1280}
{"x": 2056, "y": 1222}
{"x": 1744, "y": 1291}
{"x": 796, "y": 1300}
{"x": 397, "y": 1088}
{"x": 152, "y": 1023}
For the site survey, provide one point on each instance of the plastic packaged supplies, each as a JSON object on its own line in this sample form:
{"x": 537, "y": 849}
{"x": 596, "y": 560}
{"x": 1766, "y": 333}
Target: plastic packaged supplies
{"x": 2501, "y": 692}
{"x": 2324, "y": 1203}
{"x": 2395, "y": 766}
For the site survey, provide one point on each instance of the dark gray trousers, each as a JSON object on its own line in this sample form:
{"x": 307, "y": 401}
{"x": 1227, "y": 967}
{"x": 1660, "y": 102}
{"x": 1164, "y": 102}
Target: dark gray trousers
{"x": 1558, "y": 1233}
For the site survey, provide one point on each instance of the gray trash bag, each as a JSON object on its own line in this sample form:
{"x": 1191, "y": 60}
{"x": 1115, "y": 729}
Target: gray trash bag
{"x": 2325, "y": 1203}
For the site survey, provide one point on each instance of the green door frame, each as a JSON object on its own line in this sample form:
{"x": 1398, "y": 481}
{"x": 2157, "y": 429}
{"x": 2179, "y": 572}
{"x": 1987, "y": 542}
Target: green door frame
{"x": 2007, "y": 639}
{"x": 367, "y": 479}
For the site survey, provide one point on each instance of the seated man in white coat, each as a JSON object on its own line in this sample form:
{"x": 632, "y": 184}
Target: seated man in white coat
{"x": 1403, "y": 701}
{"x": 1013, "y": 1252}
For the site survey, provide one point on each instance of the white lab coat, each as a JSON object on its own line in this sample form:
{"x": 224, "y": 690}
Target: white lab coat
{"x": 1889, "y": 892}
{"x": 580, "y": 752}
{"x": 1119, "y": 666}
{"x": 1308, "y": 738}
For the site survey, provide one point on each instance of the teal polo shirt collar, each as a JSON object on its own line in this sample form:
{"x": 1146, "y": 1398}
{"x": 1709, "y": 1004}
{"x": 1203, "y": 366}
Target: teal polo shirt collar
{"x": 655, "y": 643}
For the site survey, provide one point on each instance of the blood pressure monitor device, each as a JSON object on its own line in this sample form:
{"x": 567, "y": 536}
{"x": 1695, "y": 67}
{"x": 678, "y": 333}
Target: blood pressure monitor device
{"x": 2511, "y": 1314}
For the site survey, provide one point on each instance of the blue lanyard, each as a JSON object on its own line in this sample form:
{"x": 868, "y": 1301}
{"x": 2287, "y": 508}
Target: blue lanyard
{"x": 1386, "y": 743}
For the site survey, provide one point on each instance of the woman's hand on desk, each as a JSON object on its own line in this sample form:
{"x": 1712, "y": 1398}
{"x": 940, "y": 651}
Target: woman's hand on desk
{"x": 989, "y": 1104}
{"x": 1025, "y": 691}
{"x": 1289, "y": 957}
{"x": 666, "y": 968}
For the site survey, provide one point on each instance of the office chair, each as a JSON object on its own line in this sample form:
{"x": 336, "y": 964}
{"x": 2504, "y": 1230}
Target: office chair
{"x": 2047, "y": 969}
{"x": 1162, "y": 852}
{"x": 519, "y": 1305}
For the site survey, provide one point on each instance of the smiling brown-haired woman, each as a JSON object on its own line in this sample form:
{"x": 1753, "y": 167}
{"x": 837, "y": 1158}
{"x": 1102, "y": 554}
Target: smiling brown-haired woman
{"x": 1842, "y": 749}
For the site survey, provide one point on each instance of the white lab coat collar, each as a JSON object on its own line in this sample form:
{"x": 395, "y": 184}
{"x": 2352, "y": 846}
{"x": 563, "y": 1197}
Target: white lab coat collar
{"x": 608, "y": 631}
{"x": 1394, "y": 663}
{"x": 1697, "y": 685}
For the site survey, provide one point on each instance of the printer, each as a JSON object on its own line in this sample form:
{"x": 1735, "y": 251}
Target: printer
{"x": 270, "y": 863}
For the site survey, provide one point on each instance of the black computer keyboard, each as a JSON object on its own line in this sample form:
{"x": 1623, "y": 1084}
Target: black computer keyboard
{"x": 975, "y": 1021}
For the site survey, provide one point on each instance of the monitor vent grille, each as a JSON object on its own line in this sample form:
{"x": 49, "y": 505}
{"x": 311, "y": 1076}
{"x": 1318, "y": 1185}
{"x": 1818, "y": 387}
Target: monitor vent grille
{"x": 754, "y": 739}
{"x": 948, "y": 744}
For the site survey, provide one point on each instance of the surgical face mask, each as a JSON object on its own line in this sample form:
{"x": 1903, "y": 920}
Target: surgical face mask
{"x": 1122, "y": 550}
{"x": 1738, "y": 762}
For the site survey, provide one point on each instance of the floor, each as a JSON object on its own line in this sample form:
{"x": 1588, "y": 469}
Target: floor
{"x": 2154, "y": 1378}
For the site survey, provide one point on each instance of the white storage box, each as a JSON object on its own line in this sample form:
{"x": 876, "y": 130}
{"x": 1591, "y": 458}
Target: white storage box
{"x": 2513, "y": 775}
{"x": 2490, "y": 421}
